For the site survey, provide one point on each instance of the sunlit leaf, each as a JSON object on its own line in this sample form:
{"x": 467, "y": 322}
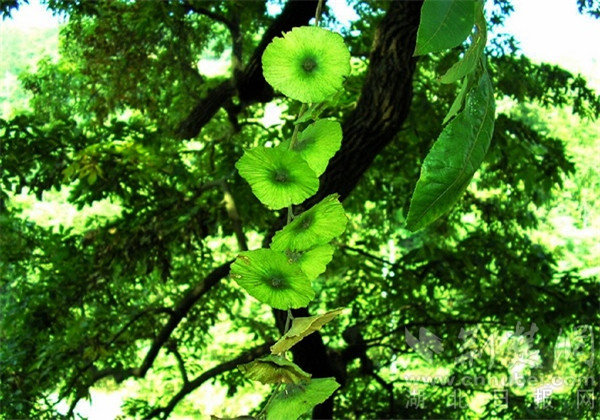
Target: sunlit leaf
{"x": 295, "y": 400}
{"x": 302, "y": 327}
{"x": 473, "y": 54}
{"x": 458, "y": 102}
{"x": 444, "y": 24}
{"x": 313, "y": 261}
{"x": 92, "y": 177}
{"x": 274, "y": 370}
{"x": 278, "y": 177}
{"x": 317, "y": 144}
{"x": 308, "y": 64}
{"x": 454, "y": 157}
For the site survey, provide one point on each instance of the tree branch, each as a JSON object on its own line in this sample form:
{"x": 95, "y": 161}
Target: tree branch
{"x": 366, "y": 254}
{"x": 250, "y": 83}
{"x": 384, "y": 102}
{"x": 246, "y": 357}
{"x": 178, "y": 313}
{"x": 233, "y": 25}
{"x": 213, "y": 15}
{"x": 128, "y": 324}
{"x": 172, "y": 347}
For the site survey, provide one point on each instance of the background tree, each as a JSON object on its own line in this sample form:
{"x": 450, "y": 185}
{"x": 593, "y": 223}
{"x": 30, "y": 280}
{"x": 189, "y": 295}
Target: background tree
{"x": 124, "y": 114}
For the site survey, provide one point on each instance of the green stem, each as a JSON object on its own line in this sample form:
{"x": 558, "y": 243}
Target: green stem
{"x": 303, "y": 109}
{"x": 318, "y": 13}
{"x": 288, "y": 321}
{"x": 297, "y": 127}
{"x": 290, "y": 216}
{"x": 262, "y": 413}
{"x": 288, "y": 324}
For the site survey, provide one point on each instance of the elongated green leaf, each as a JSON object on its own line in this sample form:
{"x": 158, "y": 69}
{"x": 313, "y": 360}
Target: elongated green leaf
{"x": 302, "y": 327}
{"x": 274, "y": 370}
{"x": 473, "y": 54}
{"x": 454, "y": 158}
{"x": 296, "y": 400}
{"x": 467, "y": 64}
{"x": 444, "y": 24}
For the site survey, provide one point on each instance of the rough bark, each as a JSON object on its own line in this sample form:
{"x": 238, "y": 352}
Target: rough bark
{"x": 384, "y": 102}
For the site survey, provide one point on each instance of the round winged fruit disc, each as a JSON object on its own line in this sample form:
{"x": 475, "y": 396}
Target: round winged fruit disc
{"x": 268, "y": 276}
{"x": 308, "y": 64}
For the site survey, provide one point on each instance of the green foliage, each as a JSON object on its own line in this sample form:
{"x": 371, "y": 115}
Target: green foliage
{"x": 278, "y": 177}
{"x": 444, "y": 24}
{"x": 307, "y": 71}
{"x": 271, "y": 278}
{"x": 454, "y": 157}
{"x": 21, "y": 51}
{"x": 139, "y": 300}
{"x": 518, "y": 78}
{"x": 317, "y": 143}
{"x": 296, "y": 400}
{"x": 462, "y": 145}
{"x": 316, "y": 226}
{"x": 7, "y": 7}
{"x": 313, "y": 261}
{"x": 590, "y": 7}
{"x": 302, "y": 327}
{"x": 472, "y": 55}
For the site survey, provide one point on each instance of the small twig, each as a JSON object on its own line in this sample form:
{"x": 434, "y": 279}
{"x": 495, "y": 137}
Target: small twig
{"x": 366, "y": 254}
{"x": 180, "y": 362}
{"x": 212, "y": 15}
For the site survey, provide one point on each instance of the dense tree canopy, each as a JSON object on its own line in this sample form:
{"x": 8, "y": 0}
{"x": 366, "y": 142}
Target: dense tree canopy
{"x": 437, "y": 321}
